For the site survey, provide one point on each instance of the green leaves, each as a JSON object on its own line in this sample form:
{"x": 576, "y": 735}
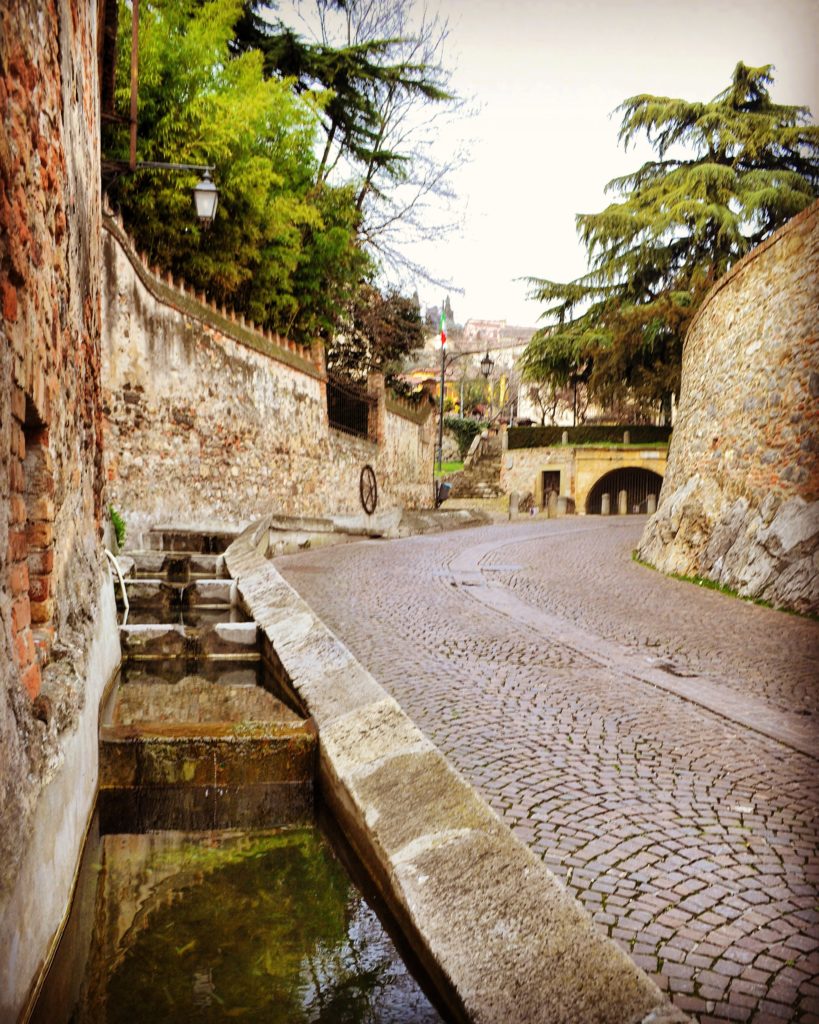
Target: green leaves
{"x": 275, "y": 233}
{"x": 729, "y": 172}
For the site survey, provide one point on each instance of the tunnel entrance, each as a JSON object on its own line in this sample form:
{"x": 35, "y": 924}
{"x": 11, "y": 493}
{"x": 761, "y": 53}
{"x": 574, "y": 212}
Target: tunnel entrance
{"x": 637, "y": 483}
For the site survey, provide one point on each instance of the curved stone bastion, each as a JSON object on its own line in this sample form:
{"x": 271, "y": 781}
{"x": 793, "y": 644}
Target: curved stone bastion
{"x": 740, "y": 501}
{"x": 498, "y": 935}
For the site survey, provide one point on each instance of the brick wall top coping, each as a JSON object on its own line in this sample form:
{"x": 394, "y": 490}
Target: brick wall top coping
{"x": 497, "y": 933}
{"x": 739, "y": 267}
{"x": 186, "y": 301}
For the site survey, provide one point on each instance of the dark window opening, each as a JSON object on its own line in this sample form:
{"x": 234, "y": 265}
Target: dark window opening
{"x": 637, "y": 483}
{"x": 350, "y": 409}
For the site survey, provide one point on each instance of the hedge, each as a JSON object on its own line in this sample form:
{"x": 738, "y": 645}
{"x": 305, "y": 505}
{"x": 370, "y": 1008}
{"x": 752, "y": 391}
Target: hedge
{"x": 545, "y": 437}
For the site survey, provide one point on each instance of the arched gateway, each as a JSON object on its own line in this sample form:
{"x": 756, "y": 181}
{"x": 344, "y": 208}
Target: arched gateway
{"x": 638, "y": 483}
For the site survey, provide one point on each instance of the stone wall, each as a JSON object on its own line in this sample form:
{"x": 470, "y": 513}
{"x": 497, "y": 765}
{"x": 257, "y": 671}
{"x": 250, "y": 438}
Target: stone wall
{"x": 739, "y": 504}
{"x": 579, "y": 468}
{"x": 209, "y": 421}
{"x": 52, "y": 580}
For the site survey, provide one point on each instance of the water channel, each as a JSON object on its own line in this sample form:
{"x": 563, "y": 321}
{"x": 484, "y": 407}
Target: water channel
{"x": 214, "y": 897}
{"x": 248, "y": 925}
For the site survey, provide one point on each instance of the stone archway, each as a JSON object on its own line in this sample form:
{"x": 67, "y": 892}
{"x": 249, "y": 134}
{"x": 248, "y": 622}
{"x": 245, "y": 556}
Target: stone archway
{"x": 637, "y": 482}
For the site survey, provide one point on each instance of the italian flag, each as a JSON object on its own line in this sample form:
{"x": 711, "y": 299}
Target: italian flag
{"x": 443, "y": 328}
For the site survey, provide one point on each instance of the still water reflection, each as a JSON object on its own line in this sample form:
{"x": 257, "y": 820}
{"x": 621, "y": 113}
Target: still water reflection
{"x": 246, "y": 926}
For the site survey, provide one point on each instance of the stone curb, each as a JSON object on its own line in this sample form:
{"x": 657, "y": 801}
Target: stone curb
{"x": 499, "y": 936}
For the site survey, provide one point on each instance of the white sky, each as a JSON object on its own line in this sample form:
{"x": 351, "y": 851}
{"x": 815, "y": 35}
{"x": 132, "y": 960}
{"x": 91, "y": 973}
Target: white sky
{"x": 546, "y": 75}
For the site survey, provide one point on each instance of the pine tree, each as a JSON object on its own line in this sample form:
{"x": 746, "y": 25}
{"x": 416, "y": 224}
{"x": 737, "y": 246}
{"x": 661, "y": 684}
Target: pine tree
{"x": 728, "y": 173}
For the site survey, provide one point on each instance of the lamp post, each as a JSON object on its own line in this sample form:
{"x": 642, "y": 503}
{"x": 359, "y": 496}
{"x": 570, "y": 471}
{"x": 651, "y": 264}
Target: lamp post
{"x": 487, "y": 364}
{"x": 447, "y": 360}
{"x": 441, "y": 410}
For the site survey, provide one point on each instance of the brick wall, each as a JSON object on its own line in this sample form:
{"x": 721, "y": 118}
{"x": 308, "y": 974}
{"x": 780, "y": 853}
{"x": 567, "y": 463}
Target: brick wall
{"x": 210, "y": 421}
{"x": 50, "y": 456}
{"x": 739, "y": 503}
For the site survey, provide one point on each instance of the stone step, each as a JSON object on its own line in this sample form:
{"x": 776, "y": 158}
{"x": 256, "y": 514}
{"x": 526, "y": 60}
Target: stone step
{"x": 178, "y": 641}
{"x": 195, "y": 734}
{"x": 158, "y": 592}
{"x": 189, "y": 541}
{"x": 179, "y": 566}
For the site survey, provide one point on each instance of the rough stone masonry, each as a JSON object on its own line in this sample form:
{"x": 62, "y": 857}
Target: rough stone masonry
{"x": 740, "y": 501}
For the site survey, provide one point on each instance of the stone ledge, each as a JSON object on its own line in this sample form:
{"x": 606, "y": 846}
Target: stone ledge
{"x": 499, "y": 936}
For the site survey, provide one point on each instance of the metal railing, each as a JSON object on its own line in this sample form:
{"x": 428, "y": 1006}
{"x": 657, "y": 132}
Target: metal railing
{"x": 349, "y": 408}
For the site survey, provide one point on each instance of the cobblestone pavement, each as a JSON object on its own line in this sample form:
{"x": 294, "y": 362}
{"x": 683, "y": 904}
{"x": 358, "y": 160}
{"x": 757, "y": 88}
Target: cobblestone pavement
{"x": 692, "y": 839}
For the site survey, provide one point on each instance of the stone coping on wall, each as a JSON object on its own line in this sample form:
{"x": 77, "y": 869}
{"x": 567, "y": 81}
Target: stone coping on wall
{"x": 185, "y": 300}
{"x": 498, "y": 935}
{"x": 791, "y": 225}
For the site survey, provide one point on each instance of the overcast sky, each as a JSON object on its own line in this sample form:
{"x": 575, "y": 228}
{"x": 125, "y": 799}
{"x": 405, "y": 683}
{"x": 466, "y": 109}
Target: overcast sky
{"x": 546, "y": 75}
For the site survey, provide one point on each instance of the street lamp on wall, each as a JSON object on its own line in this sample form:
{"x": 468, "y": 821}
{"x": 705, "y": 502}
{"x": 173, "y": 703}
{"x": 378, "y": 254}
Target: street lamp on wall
{"x": 206, "y": 198}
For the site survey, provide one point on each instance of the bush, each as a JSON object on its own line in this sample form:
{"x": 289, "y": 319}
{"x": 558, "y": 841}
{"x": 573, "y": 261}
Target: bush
{"x": 464, "y": 431}
{"x": 545, "y": 437}
{"x": 119, "y": 526}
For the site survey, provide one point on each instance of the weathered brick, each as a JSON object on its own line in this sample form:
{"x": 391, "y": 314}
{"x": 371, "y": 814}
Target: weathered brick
{"x": 20, "y": 614}
{"x": 18, "y": 579}
{"x": 42, "y": 611}
{"x": 8, "y": 295}
{"x": 41, "y": 510}
{"x": 17, "y": 510}
{"x": 18, "y": 403}
{"x": 32, "y": 680}
{"x": 24, "y": 650}
{"x": 41, "y": 561}
{"x": 39, "y": 589}
{"x": 40, "y": 535}
{"x": 17, "y": 478}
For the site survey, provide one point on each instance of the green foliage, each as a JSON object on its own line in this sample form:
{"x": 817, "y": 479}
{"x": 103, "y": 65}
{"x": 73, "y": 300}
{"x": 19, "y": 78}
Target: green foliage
{"x": 119, "y": 526}
{"x": 282, "y": 248}
{"x": 464, "y": 431}
{"x": 545, "y": 437}
{"x": 383, "y": 329}
{"x": 448, "y": 467}
{"x": 376, "y": 64}
{"x": 729, "y": 172}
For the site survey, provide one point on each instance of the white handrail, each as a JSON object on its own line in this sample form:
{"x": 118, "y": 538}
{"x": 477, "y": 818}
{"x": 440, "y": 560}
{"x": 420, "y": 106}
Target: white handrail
{"x": 113, "y": 559}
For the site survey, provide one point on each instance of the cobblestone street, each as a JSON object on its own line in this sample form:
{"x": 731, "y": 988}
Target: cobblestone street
{"x": 653, "y": 741}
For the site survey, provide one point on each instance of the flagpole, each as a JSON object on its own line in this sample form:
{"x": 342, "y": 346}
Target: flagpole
{"x": 441, "y": 414}
{"x": 441, "y": 411}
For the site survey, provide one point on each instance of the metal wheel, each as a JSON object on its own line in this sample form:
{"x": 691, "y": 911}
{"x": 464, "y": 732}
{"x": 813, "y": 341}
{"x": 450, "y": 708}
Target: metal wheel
{"x": 368, "y": 489}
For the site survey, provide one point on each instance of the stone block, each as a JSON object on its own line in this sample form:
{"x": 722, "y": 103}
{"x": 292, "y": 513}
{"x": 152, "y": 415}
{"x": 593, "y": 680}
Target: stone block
{"x": 210, "y": 592}
{"x": 163, "y": 641}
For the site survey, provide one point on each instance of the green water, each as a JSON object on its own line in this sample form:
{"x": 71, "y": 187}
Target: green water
{"x": 222, "y": 926}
